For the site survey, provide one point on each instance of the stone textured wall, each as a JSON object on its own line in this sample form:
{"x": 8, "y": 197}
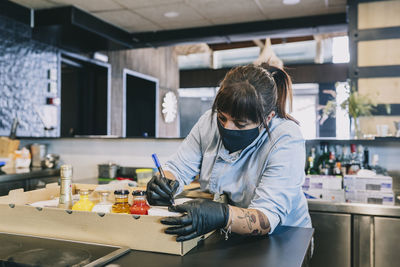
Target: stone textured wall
{"x": 24, "y": 65}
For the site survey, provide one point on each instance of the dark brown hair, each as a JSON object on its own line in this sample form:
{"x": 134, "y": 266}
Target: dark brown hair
{"x": 252, "y": 92}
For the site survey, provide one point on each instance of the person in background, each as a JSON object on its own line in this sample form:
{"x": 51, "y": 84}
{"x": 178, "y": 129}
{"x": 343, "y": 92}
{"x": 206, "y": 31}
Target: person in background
{"x": 246, "y": 147}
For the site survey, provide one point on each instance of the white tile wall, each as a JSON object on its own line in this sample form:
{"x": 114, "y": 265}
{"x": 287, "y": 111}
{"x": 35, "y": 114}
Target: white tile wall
{"x": 84, "y": 154}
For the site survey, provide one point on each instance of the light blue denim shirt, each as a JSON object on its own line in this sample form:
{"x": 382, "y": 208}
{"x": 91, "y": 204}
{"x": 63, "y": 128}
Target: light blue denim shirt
{"x": 267, "y": 175}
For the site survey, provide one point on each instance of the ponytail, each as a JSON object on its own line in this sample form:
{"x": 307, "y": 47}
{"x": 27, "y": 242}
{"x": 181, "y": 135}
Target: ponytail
{"x": 253, "y": 92}
{"x": 284, "y": 90}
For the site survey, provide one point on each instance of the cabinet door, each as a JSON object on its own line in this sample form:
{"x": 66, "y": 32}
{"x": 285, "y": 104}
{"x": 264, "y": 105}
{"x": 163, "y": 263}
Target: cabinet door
{"x": 387, "y": 241}
{"x": 332, "y": 239}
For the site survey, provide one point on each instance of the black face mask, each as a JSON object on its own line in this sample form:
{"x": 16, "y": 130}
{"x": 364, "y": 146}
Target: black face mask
{"x": 235, "y": 140}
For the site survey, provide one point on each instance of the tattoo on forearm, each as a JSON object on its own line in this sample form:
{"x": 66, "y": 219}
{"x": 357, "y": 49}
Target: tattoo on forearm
{"x": 263, "y": 224}
{"x": 250, "y": 219}
{"x": 256, "y": 232}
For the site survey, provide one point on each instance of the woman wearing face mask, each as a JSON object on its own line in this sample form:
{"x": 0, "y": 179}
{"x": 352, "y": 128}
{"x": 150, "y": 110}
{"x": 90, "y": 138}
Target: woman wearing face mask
{"x": 246, "y": 147}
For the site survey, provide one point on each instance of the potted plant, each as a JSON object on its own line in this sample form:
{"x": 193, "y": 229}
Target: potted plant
{"x": 356, "y": 105}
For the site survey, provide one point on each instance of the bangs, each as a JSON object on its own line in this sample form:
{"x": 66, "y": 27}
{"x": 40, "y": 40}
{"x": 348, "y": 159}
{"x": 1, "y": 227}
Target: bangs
{"x": 239, "y": 100}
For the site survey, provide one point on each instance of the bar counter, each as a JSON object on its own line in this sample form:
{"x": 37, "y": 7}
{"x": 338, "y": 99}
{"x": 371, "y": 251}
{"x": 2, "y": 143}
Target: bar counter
{"x": 287, "y": 246}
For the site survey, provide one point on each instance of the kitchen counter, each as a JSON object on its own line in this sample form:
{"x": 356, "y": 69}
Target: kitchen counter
{"x": 28, "y": 179}
{"x": 24, "y": 174}
{"x": 354, "y": 208}
{"x": 287, "y": 246}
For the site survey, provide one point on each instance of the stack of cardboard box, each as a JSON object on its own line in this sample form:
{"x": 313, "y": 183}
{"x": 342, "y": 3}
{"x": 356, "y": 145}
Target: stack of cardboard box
{"x": 324, "y": 187}
{"x": 374, "y": 189}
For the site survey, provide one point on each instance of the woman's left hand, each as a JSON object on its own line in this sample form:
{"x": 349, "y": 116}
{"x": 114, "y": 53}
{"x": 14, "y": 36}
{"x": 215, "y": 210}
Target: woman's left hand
{"x": 202, "y": 216}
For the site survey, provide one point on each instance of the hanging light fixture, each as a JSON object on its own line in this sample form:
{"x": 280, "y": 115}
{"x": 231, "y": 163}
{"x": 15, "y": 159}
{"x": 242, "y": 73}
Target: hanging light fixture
{"x": 291, "y": 2}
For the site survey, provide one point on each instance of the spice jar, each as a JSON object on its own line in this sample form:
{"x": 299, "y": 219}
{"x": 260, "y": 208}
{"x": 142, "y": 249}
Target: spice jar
{"x": 104, "y": 205}
{"x": 84, "y": 204}
{"x": 121, "y": 201}
{"x": 139, "y": 204}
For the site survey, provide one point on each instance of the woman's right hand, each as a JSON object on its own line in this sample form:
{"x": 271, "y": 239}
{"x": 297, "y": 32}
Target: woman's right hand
{"x": 160, "y": 190}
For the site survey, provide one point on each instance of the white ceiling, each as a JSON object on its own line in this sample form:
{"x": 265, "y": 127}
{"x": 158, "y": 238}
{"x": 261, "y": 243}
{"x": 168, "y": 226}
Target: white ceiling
{"x": 148, "y": 15}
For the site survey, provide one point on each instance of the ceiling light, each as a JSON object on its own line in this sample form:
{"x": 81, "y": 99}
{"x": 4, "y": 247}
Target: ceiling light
{"x": 171, "y": 14}
{"x": 291, "y": 2}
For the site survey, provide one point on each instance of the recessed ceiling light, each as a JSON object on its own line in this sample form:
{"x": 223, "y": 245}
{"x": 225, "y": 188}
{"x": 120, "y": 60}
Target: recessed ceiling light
{"x": 291, "y": 2}
{"x": 171, "y": 14}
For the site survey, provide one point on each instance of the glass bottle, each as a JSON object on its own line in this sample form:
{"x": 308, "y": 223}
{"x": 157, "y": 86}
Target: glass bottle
{"x": 310, "y": 165}
{"x": 337, "y": 170}
{"x": 84, "y": 204}
{"x": 311, "y": 162}
{"x": 323, "y": 160}
{"x": 139, "y": 204}
{"x": 366, "y": 159}
{"x": 345, "y": 159}
{"x": 354, "y": 165}
{"x": 104, "y": 205}
{"x": 360, "y": 156}
{"x": 65, "y": 201}
{"x": 121, "y": 204}
{"x": 332, "y": 161}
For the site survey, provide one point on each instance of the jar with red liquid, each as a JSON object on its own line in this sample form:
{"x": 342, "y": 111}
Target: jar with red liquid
{"x": 139, "y": 205}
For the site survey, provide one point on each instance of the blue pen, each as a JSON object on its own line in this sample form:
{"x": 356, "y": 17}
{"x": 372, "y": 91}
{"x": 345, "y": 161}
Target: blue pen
{"x": 158, "y": 165}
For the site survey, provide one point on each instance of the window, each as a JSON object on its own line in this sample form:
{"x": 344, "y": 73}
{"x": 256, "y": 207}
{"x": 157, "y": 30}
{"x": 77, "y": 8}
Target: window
{"x": 305, "y": 102}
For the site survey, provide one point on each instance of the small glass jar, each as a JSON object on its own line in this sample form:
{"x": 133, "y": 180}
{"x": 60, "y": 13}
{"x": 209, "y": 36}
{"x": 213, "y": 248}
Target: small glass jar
{"x": 104, "y": 205}
{"x": 84, "y": 204}
{"x": 121, "y": 202}
{"x": 139, "y": 204}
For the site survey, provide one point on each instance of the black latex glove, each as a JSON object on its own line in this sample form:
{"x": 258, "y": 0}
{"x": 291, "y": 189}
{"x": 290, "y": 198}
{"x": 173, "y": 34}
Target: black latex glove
{"x": 160, "y": 190}
{"x": 202, "y": 216}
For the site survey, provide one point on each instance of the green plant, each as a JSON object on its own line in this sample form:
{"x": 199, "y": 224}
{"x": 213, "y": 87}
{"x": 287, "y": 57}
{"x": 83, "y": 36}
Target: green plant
{"x": 356, "y": 105}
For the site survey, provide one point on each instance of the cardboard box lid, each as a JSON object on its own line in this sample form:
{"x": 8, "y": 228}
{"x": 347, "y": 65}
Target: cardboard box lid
{"x": 137, "y": 232}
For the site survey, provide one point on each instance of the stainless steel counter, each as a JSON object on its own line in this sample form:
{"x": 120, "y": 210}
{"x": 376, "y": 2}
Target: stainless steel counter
{"x": 18, "y": 175}
{"x": 354, "y": 208}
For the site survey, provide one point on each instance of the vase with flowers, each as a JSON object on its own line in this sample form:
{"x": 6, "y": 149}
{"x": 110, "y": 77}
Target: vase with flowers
{"x": 356, "y": 105}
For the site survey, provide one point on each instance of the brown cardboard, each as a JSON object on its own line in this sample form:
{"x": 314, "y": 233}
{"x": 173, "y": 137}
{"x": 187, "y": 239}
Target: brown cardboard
{"x": 7, "y": 146}
{"x": 137, "y": 232}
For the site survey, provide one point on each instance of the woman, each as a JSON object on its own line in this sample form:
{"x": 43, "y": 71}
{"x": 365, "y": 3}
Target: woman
{"x": 246, "y": 147}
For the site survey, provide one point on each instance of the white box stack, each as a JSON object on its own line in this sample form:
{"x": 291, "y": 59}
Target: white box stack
{"x": 324, "y": 187}
{"x": 374, "y": 189}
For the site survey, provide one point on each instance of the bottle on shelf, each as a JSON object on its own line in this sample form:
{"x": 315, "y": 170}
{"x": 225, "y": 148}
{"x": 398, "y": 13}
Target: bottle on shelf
{"x": 139, "y": 204}
{"x": 354, "y": 165}
{"x": 65, "y": 201}
{"x": 311, "y": 162}
{"x": 331, "y": 161}
{"x": 121, "y": 204}
{"x": 323, "y": 160}
{"x": 360, "y": 156}
{"x": 84, "y": 204}
{"x": 344, "y": 159}
{"x": 324, "y": 168}
{"x": 375, "y": 167}
{"x": 104, "y": 205}
{"x": 366, "y": 159}
{"x": 337, "y": 170}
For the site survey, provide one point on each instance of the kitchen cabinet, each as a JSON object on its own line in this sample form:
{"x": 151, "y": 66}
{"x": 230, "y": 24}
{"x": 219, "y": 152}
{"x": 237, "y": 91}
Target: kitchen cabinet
{"x": 332, "y": 239}
{"x": 376, "y": 241}
{"x": 355, "y": 234}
